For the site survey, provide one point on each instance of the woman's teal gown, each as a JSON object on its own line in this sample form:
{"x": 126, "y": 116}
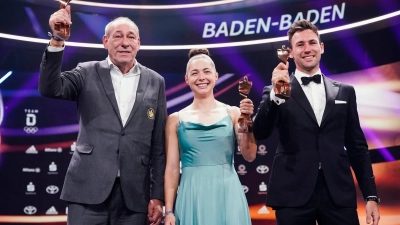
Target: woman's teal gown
{"x": 209, "y": 192}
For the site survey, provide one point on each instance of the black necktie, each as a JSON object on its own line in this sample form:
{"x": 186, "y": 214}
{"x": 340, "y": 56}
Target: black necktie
{"x": 316, "y": 78}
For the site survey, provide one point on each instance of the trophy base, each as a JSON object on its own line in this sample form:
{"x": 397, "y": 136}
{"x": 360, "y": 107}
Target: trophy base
{"x": 244, "y": 130}
{"x": 282, "y": 96}
{"x": 245, "y": 124}
{"x": 282, "y": 90}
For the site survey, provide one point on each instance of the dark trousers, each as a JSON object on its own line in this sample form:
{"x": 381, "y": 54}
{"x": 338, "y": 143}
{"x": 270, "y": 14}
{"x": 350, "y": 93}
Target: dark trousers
{"x": 112, "y": 211}
{"x": 320, "y": 208}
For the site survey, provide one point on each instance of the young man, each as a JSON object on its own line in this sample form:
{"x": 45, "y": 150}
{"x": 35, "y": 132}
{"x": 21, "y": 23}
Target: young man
{"x": 319, "y": 139}
{"x": 122, "y": 114}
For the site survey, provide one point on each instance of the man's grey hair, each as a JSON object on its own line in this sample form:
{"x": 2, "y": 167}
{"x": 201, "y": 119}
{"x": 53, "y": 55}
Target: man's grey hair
{"x": 125, "y": 20}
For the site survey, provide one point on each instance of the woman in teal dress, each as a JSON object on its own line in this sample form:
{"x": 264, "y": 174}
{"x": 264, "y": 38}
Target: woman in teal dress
{"x": 202, "y": 137}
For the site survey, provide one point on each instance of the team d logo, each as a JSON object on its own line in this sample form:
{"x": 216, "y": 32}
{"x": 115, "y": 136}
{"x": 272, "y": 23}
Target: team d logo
{"x": 262, "y": 169}
{"x": 30, "y": 127}
{"x": 30, "y": 210}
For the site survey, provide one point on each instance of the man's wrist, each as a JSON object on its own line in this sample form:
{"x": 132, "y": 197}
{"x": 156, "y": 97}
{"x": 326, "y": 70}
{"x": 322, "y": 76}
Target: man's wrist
{"x": 54, "y": 37}
{"x": 56, "y": 44}
{"x": 373, "y": 198}
{"x": 275, "y": 99}
{"x": 56, "y": 41}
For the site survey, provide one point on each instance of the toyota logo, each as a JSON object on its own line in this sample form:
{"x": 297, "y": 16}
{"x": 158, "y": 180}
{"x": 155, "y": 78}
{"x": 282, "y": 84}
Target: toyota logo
{"x": 52, "y": 189}
{"x": 262, "y": 169}
{"x": 30, "y": 210}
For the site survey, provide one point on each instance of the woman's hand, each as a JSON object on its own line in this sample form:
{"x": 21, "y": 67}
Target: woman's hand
{"x": 170, "y": 219}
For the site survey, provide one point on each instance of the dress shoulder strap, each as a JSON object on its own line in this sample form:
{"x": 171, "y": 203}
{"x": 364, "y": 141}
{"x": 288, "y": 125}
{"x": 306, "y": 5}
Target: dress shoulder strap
{"x": 227, "y": 108}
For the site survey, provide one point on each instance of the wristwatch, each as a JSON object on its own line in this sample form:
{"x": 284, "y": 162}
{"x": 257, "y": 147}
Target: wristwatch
{"x": 373, "y": 198}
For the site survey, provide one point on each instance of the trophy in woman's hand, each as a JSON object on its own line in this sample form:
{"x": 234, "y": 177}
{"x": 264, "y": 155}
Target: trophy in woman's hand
{"x": 282, "y": 89}
{"x": 245, "y": 122}
{"x": 63, "y": 30}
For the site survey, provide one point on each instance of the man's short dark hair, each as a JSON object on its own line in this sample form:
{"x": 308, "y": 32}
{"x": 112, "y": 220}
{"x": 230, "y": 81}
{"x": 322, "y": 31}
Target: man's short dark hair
{"x": 301, "y": 25}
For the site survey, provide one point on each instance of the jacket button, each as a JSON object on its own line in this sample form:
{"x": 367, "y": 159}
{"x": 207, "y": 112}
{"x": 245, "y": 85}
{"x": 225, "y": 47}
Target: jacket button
{"x": 117, "y": 151}
{"x": 122, "y": 133}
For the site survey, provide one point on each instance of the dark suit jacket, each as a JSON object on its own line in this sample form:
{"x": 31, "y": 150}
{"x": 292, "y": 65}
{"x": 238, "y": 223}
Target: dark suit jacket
{"x": 338, "y": 144}
{"x": 103, "y": 144}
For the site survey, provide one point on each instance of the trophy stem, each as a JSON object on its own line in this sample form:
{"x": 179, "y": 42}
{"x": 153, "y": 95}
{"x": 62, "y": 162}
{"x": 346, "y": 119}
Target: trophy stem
{"x": 282, "y": 90}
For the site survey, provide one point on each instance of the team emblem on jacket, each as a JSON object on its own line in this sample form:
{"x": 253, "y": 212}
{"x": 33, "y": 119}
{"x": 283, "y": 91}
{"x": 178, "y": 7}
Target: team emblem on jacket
{"x": 150, "y": 113}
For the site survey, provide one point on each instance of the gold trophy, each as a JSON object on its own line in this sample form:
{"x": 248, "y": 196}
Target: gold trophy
{"x": 245, "y": 122}
{"x": 282, "y": 89}
{"x": 64, "y": 30}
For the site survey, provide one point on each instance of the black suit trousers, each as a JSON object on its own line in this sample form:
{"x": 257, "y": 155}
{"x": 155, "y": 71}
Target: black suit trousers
{"x": 320, "y": 208}
{"x": 112, "y": 211}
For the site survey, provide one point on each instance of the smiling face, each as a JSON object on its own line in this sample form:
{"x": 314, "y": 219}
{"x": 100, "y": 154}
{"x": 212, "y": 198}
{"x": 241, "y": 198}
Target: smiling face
{"x": 122, "y": 42}
{"x": 306, "y": 51}
{"x": 201, "y": 75}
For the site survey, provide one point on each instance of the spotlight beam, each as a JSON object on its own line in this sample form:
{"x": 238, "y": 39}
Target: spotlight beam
{"x": 180, "y": 6}
{"x": 5, "y": 76}
{"x": 217, "y": 45}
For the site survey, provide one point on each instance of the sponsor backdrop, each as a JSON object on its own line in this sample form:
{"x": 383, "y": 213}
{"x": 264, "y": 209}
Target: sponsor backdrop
{"x": 38, "y": 134}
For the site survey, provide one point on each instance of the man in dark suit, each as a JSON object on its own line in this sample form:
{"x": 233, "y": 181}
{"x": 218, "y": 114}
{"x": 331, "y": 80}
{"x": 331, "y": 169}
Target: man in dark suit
{"x": 319, "y": 139}
{"x": 116, "y": 174}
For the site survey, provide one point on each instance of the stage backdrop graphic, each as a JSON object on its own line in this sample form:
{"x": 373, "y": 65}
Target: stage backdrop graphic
{"x": 38, "y": 135}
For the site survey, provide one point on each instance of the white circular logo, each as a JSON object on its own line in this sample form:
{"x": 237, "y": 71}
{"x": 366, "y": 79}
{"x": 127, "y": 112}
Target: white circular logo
{"x": 262, "y": 169}
{"x": 241, "y": 169}
{"x": 52, "y": 189}
{"x": 245, "y": 189}
{"x": 262, "y": 150}
{"x": 30, "y": 210}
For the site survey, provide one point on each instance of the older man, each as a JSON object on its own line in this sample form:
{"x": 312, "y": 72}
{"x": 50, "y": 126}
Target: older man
{"x": 116, "y": 174}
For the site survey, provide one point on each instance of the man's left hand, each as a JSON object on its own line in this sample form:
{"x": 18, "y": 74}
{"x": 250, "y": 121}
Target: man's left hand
{"x": 155, "y": 211}
{"x": 372, "y": 213}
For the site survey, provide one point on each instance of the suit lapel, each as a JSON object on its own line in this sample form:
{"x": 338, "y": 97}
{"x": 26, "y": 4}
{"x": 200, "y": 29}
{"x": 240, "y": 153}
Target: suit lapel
{"x": 331, "y": 90}
{"x": 299, "y": 95}
{"x": 103, "y": 70}
{"x": 141, "y": 89}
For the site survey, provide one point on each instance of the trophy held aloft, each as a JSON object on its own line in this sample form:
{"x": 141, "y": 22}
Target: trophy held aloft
{"x": 244, "y": 121}
{"x": 63, "y": 30}
{"x": 282, "y": 89}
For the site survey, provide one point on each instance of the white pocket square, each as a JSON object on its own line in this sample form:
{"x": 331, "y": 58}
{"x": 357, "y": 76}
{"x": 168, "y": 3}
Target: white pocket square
{"x": 340, "y": 102}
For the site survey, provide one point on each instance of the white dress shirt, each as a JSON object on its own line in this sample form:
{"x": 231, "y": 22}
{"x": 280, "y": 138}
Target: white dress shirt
{"x": 315, "y": 94}
{"x": 125, "y": 88}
